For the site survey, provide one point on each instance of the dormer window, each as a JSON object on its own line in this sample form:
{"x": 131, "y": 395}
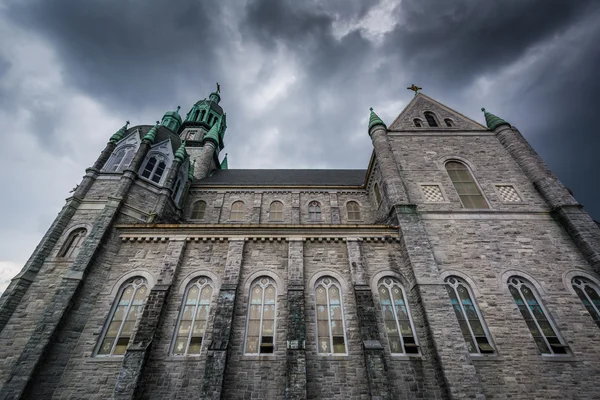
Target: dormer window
{"x": 154, "y": 169}
{"x": 431, "y": 119}
{"x": 121, "y": 160}
{"x": 449, "y": 123}
{"x": 418, "y": 123}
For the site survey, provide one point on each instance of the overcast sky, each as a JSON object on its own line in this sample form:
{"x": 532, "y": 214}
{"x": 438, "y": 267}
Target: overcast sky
{"x": 297, "y": 79}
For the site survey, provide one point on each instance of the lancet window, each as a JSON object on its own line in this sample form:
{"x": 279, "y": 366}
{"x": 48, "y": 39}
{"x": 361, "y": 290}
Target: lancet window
{"x": 588, "y": 292}
{"x": 193, "y": 317}
{"x": 198, "y": 210}
{"x": 541, "y": 328}
{"x": 260, "y": 334}
{"x": 465, "y": 185}
{"x": 276, "y": 211}
{"x": 123, "y": 317}
{"x": 73, "y": 243}
{"x": 470, "y": 320}
{"x": 431, "y": 121}
{"x": 396, "y": 316}
{"x": 353, "y": 211}
{"x": 331, "y": 333}
{"x": 314, "y": 211}
{"x": 237, "y": 211}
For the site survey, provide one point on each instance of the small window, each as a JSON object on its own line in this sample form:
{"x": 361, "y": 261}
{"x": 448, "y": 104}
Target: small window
{"x": 396, "y": 317}
{"x": 331, "y": 334}
{"x": 124, "y": 315}
{"x": 431, "y": 119}
{"x": 198, "y": 210}
{"x": 465, "y": 185}
{"x": 418, "y": 123}
{"x": 588, "y": 292}
{"x": 276, "y": 211}
{"x": 73, "y": 243}
{"x": 532, "y": 310}
{"x": 353, "y": 211}
{"x": 154, "y": 169}
{"x": 449, "y": 123}
{"x": 237, "y": 211}
{"x": 260, "y": 334}
{"x": 193, "y": 317}
{"x": 377, "y": 194}
{"x": 314, "y": 211}
{"x": 469, "y": 317}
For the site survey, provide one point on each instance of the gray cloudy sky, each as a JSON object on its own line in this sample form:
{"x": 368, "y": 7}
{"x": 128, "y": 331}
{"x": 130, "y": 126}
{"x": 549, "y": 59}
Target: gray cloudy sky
{"x": 297, "y": 80}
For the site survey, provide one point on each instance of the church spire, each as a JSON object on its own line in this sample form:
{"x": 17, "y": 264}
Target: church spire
{"x": 493, "y": 121}
{"x": 119, "y": 134}
{"x": 151, "y": 135}
{"x": 375, "y": 120}
{"x": 224, "y": 163}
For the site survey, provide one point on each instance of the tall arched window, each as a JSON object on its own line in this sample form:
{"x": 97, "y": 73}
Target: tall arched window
{"x": 237, "y": 211}
{"x": 469, "y": 317}
{"x": 124, "y": 314}
{"x": 377, "y": 193}
{"x": 396, "y": 317}
{"x": 276, "y": 211}
{"x": 120, "y": 160}
{"x": 431, "y": 119}
{"x": 532, "y": 310}
{"x": 260, "y": 334}
{"x": 331, "y": 334}
{"x": 588, "y": 292}
{"x": 202, "y": 115}
{"x": 154, "y": 169}
{"x": 464, "y": 183}
{"x": 198, "y": 210}
{"x": 418, "y": 123}
{"x": 196, "y": 115}
{"x": 193, "y": 317}
{"x": 73, "y": 243}
{"x": 353, "y": 211}
{"x": 314, "y": 211}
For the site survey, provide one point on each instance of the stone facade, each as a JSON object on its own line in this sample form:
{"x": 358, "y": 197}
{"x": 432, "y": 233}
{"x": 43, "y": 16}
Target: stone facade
{"x": 56, "y": 312}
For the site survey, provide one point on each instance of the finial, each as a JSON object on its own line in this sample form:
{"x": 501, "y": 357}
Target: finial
{"x": 120, "y": 133}
{"x": 414, "y": 88}
{"x": 482, "y": 109}
{"x": 126, "y": 123}
{"x": 375, "y": 120}
{"x": 177, "y": 111}
{"x": 218, "y": 88}
{"x": 371, "y": 109}
{"x": 181, "y": 153}
{"x": 493, "y": 121}
{"x": 225, "y": 163}
{"x": 151, "y": 135}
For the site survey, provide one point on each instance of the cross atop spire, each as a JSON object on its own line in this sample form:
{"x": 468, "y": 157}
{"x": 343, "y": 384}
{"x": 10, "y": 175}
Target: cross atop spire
{"x": 414, "y": 88}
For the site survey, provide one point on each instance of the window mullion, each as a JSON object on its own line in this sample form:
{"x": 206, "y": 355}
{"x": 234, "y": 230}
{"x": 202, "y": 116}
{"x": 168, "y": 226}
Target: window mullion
{"x": 187, "y": 345}
{"x": 466, "y": 318}
{"x": 262, "y": 311}
{"x": 550, "y": 349}
{"x": 125, "y": 314}
{"x": 329, "y": 321}
{"x": 396, "y": 317}
{"x": 589, "y": 298}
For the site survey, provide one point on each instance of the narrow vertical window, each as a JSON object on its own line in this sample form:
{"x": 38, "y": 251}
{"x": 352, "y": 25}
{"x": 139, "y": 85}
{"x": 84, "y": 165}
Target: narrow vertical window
{"x": 353, "y": 211}
{"x": 464, "y": 183}
{"x": 377, "y": 193}
{"x": 588, "y": 292}
{"x": 125, "y": 312}
{"x": 542, "y": 330}
{"x": 276, "y": 211}
{"x": 431, "y": 119}
{"x": 396, "y": 316}
{"x": 449, "y": 123}
{"x": 116, "y": 161}
{"x": 469, "y": 317}
{"x": 331, "y": 334}
{"x": 260, "y": 335}
{"x": 149, "y": 168}
{"x": 237, "y": 211}
{"x": 314, "y": 211}
{"x": 158, "y": 173}
{"x": 73, "y": 243}
{"x": 196, "y": 115}
{"x": 202, "y": 115}
{"x": 193, "y": 318}
{"x": 127, "y": 159}
{"x": 198, "y": 210}
{"x": 418, "y": 123}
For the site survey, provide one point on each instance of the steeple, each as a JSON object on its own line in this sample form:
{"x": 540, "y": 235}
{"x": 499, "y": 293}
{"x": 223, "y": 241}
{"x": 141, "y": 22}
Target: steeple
{"x": 119, "y": 134}
{"x": 172, "y": 120}
{"x": 224, "y": 164}
{"x": 151, "y": 135}
{"x": 375, "y": 120}
{"x": 493, "y": 121}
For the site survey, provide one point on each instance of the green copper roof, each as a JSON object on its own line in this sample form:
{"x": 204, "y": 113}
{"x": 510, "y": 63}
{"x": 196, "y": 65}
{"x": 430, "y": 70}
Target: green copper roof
{"x": 493, "y": 121}
{"x": 213, "y": 133}
{"x": 151, "y": 135}
{"x": 191, "y": 170}
{"x": 181, "y": 153}
{"x": 375, "y": 120}
{"x": 119, "y": 134}
{"x": 224, "y": 164}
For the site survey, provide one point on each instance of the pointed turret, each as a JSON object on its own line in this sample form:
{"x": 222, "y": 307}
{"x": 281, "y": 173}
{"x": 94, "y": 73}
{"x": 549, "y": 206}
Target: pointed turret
{"x": 181, "y": 153}
{"x": 151, "y": 135}
{"x": 493, "y": 121}
{"x": 375, "y": 120}
{"x": 120, "y": 133}
{"x": 224, "y": 164}
{"x": 172, "y": 120}
{"x": 213, "y": 134}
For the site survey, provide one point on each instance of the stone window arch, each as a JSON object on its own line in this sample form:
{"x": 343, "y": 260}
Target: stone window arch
{"x": 261, "y": 322}
{"x": 314, "y": 211}
{"x": 353, "y": 210}
{"x": 431, "y": 119}
{"x": 198, "y": 210}
{"x": 276, "y": 211}
{"x": 125, "y": 312}
{"x": 538, "y": 321}
{"x": 331, "y": 331}
{"x": 193, "y": 317}
{"x": 449, "y": 123}
{"x": 397, "y": 320}
{"x": 237, "y": 211}
{"x": 470, "y": 319}
{"x": 154, "y": 168}
{"x": 589, "y": 294}
{"x": 418, "y": 123}
{"x": 466, "y": 186}
{"x": 73, "y": 244}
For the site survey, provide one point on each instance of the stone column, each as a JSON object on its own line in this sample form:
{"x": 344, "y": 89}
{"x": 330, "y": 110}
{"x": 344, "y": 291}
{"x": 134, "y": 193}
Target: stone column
{"x": 204, "y": 162}
{"x": 565, "y": 209}
{"x": 216, "y": 357}
{"x": 379, "y": 385}
{"x": 134, "y": 360}
{"x": 295, "y": 384}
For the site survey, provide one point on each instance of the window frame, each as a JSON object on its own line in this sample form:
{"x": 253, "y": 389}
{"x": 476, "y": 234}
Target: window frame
{"x": 474, "y": 180}
{"x": 448, "y": 123}
{"x": 317, "y": 214}
{"x": 333, "y": 283}
{"x": 192, "y": 210}
{"x": 193, "y": 282}
{"x": 255, "y": 282}
{"x": 418, "y": 123}
{"x": 68, "y": 245}
{"x": 486, "y": 331}
{"x": 581, "y": 286}
{"x": 160, "y": 159}
{"x": 434, "y": 117}
{"x": 357, "y": 211}
{"x": 271, "y": 211}
{"x": 110, "y": 164}
{"x": 236, "y": 212}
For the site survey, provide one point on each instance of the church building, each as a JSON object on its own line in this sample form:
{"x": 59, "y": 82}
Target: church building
{"x": 454, "y": 266}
